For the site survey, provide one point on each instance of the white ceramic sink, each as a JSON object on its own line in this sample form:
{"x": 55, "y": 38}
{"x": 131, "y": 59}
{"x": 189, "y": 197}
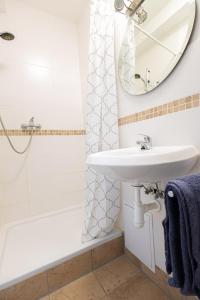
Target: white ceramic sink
{"x": 135, "y": 165}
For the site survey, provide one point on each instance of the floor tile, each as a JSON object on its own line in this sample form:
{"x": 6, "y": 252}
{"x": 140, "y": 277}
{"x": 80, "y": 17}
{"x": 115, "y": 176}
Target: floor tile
{"x": 133, "y": 259}
{"x": 58, "y": 296}
{"x": 69, "y": 271}
{"x": 85, "y": 288}
{"x": 175, "y": 294}
{"x": 115, "y": 273}
{"x": 138, "y": 288}
{"x": 160, "y": 277}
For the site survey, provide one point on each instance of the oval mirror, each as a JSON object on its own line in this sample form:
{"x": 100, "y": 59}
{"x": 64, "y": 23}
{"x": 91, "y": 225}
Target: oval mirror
{"x": 154, "y": 41}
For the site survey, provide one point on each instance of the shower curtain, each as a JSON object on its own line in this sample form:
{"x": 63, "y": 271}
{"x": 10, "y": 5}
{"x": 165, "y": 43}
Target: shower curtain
{"x": 102, "y": 204}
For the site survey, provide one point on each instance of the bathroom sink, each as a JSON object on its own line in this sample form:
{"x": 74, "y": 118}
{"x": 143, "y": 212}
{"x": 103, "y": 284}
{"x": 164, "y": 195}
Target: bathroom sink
{"x": 135, "y": 165}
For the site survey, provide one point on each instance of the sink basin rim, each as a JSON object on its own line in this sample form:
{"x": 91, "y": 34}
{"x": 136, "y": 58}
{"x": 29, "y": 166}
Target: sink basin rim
{"x": 155, "y": 156}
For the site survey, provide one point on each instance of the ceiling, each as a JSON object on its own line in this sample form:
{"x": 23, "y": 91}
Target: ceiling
{"x": 68, "y": 9}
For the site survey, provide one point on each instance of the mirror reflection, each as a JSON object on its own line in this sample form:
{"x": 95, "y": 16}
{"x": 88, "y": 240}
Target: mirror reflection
{"x": 154, "y": 41}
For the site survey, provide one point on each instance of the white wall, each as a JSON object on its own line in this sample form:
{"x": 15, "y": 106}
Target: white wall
{"x": 175, "y": 129}
{"x": 40, "y": 77}
{"x": 84, "y": 33}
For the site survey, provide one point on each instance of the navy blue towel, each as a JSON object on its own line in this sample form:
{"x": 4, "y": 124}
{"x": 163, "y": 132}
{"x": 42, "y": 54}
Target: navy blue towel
{"x": 182, "y": 234}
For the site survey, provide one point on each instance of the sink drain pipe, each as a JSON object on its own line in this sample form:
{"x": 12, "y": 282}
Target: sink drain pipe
{"x": 140, "y": 208}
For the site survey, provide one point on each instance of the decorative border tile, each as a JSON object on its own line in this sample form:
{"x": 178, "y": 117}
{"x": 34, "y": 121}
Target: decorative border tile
{"x": 16, "y": 132}
{"x": 151, "y": 113}
{"x": 162, "y": 110}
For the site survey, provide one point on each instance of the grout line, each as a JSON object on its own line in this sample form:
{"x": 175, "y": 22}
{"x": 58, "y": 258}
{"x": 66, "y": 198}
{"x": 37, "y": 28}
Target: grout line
{"x": 92, "y": 260}
{"x": 99, "y": 282}
{"x": 166, "y": 293}
{"x": 155, "y": 282}
{"x": 49, "y": 293}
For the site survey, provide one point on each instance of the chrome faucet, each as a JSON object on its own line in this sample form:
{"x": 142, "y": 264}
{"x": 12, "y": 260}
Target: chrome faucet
{"x": 145, "y": 143}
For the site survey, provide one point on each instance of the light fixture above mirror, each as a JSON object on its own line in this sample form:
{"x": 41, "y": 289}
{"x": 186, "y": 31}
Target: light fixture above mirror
{"x": 127, "y": 7}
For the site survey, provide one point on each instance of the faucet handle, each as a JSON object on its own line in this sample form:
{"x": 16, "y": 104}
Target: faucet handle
{"x": 146, "y": 144}
{"x": 147, "y": 138}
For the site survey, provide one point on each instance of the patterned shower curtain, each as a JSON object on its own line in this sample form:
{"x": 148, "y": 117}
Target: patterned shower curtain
{"x": 102, "y": 204}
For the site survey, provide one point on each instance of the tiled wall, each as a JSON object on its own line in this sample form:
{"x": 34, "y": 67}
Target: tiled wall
{"x": 40, "y": 77}
{"x": 162, "y": 110}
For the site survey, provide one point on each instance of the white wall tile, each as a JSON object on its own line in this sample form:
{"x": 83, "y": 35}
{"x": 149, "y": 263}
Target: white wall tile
{"x": 56, "y": 169}
{"x": 40, "y": 77}
{"x": 14, "y": 213}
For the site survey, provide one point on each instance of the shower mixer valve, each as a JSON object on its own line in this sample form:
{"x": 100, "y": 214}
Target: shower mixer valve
{"x": 31, "y": 125}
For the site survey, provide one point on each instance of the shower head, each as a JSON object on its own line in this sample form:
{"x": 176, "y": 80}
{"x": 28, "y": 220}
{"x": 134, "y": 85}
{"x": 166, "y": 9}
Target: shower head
{"x": 119, "y": 5}
{"x": 7, "y": 36}
{"x": 137, "y": 76}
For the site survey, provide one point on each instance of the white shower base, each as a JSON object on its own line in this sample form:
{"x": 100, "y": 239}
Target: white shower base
{"x": 37, "y": 244}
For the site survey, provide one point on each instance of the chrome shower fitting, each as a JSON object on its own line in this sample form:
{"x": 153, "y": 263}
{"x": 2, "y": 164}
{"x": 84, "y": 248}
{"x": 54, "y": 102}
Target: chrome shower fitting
{"x": 147, "y": 82}
{"x": 31, "y": 126}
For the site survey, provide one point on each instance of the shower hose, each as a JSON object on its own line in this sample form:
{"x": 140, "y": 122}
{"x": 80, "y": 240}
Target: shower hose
{"x": 10, "y": 142}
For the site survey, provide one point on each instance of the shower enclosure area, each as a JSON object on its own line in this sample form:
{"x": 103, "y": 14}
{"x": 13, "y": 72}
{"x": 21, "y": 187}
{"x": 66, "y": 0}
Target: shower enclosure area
{"x": 42, "y": 75}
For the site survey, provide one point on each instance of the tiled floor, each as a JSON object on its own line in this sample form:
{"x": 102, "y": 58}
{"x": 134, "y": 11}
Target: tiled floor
{"x": 118, "y": 280}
